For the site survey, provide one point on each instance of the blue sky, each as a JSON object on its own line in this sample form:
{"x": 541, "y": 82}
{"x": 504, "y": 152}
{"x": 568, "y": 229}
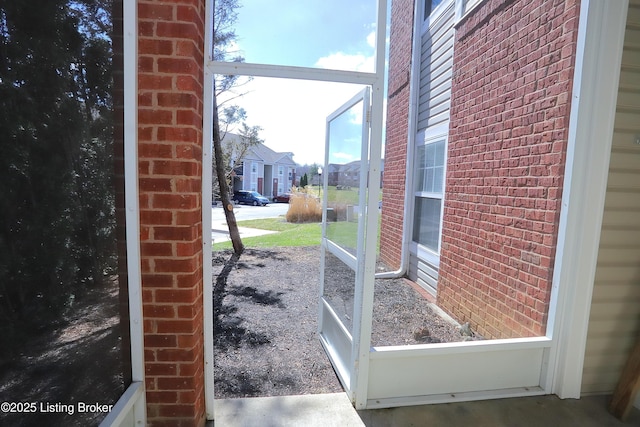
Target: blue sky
{"x": 328, "y": 34}
{"x": 301, "y": 32}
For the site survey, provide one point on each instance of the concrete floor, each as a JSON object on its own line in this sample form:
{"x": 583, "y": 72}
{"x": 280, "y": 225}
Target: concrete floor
{"x": 327, "y": 410}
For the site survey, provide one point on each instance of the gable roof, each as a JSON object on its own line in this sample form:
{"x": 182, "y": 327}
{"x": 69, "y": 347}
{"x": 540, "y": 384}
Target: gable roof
{"x": 262, "y": 152}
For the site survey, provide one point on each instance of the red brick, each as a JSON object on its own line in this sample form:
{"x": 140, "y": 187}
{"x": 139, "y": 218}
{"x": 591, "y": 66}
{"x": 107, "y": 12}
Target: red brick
{"x": 160, "y": 340}
{"x": 161, "y": 369}
{"x": 170, "y": 83}
{"x": 155, "y": 46}
{"x": 513, "y": 67}
{"x": 176, "y": 201}
{"x": 183, "y": 233}
{"x": 159, "y": 311}
{"x": 156, "y": 217}
{"x": 176, "y": 296}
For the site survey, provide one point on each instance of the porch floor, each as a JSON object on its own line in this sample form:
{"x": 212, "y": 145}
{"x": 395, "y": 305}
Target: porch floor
{"x": 325, "y": 410}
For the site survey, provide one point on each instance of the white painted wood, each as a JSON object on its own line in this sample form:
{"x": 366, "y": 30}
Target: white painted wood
{"x": 289, "y": 72}
{"x": 614, "y": 323}
{"x": 130, "y": 409}
{"x": 207, "y": 243}
{"x": 440, "y": 371}
{"x": 463, "y": 347}
{"x": 337, "y": 342}
{"x": 126, "y": 410}
{"x": 376, "y": 124}
{"x": 435, "y": 399}
{"x": 599, "y": 51}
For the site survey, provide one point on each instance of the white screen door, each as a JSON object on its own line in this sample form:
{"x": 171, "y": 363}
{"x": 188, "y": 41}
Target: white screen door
{"x": 342, "y": 276}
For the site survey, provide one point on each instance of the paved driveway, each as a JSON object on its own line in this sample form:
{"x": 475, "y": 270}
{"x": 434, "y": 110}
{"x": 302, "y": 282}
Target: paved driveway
{"x": 219, "y": 230}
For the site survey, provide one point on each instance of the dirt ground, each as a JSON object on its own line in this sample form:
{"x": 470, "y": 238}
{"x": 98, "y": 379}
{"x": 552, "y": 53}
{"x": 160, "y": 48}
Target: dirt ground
{"x": 265, "y": 311}
{"x": 78, "y": 360}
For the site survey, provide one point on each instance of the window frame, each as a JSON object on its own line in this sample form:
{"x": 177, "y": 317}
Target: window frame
{"x": 428, "y": 137}
{"x": 464, "y": 7}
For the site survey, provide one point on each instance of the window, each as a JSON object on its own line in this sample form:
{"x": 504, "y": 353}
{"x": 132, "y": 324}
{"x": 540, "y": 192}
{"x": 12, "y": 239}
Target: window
{"x": 429, "y": 189}
{"x": 469, "y": 4}
{"x": 429, "y": 6}
{"x": 464, "y": 6}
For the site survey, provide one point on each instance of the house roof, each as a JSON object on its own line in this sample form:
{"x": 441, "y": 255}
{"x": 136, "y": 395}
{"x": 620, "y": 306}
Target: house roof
{"x": 262, "y": 152}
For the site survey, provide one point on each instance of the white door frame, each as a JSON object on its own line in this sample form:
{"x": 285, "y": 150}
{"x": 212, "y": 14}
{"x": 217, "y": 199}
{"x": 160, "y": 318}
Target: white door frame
{"x": 374, "y": 79}
{"x": 343, "y": 345}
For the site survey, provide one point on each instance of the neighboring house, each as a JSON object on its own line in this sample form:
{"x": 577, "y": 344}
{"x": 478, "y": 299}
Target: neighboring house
{"x": 348, "y": 174}
{"x": 510, "y": 107}
{"x": 263, "y": 170}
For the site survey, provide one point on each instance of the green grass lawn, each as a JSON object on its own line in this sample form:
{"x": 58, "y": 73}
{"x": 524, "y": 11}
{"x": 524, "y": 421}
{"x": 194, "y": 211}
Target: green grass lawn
{"x": 289, "y": 234}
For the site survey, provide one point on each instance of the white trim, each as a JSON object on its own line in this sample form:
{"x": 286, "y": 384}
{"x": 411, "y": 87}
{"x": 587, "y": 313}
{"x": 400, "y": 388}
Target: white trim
{"x": 131, "y": 407}
{"x": 131, "y": 403}
{"x": 463, "y": 9}
{"x": 130, "y": 60}
{"x": 432, "y": 133}
{"x": 376, "y": 81}
{"x": 427, "y": 137}
{"x": 462, "y": 347}
{"x": 425, "y": 254}
{"x": 435, "y": 15}
{"x": 508, "y": 368}
{"x": 414, "y": 89}
{"x": 375, "y": 161}
{"x": 339, "y": 252}
{"x": 207, "y": 243}
{"x": 595, "y": 85}
{"x": 289, "y": 72}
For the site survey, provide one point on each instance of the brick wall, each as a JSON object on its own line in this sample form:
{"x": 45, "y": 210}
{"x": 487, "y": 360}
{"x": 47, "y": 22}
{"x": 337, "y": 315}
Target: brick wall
{"x": 397, "y": 126}
{"x": 513, "y": 69}
{"x": 170, "y": 90}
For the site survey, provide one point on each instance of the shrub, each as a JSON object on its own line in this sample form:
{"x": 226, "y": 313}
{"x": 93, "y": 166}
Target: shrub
{"x": 304, "y": 207}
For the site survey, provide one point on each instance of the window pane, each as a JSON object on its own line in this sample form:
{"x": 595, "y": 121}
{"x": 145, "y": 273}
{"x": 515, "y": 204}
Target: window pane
{"x": 420, "y": 168}
{"x": 438, "y": 180}
{"x": 430, "y": 6}
{"x": 426, "y": 224}
{"x": 345, "y": 150}
{"x": 430, "y": 167}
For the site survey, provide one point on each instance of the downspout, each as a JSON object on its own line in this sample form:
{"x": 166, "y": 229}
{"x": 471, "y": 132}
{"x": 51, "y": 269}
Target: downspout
{"x": 414, "y": 80}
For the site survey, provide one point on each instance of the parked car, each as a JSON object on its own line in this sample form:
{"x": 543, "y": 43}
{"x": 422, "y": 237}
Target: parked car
{"x": 250, "y": 198}
{"x": 282, "y": 198}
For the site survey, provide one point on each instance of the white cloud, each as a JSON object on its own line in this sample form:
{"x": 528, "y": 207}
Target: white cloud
{"x": 344, "y": 61}
{"x": 293, "y": 113}
{"x": 371, "y": 39}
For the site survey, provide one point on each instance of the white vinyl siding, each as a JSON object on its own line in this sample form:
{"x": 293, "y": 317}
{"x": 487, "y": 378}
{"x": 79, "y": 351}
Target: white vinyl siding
{"x": 432, "y": 118}
{"x": 614, "y": 322}
{"x": 436, "y": 62}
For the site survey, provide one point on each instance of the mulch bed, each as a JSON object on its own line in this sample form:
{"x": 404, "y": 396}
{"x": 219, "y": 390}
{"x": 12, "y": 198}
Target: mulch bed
{"x": 265, "y": 311}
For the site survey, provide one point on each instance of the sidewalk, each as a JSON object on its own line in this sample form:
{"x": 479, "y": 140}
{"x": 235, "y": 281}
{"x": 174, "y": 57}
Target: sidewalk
{"x": 220, "y": 232}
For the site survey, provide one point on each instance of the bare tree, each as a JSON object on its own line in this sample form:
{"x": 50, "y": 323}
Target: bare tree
{"x": 234, "y": 233}
{"x": 224, "y": 37}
